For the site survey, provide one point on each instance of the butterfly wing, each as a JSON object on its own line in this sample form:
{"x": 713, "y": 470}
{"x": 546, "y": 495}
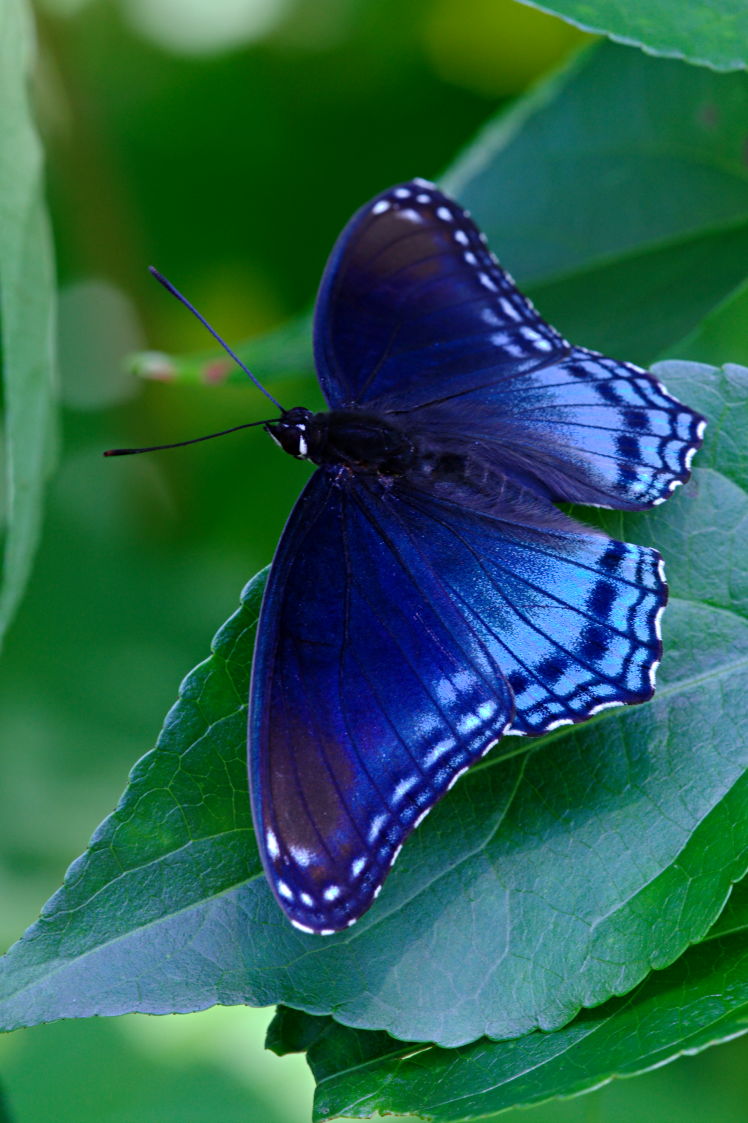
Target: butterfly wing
{"x": 572, "y": 618}
{"x": 370, "y": 694}
{"x": 417, "y": 318}
{"x": 413, "y": 305}
{"x": 586, "y": 429}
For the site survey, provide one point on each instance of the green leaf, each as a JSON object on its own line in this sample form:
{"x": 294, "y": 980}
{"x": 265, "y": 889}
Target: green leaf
{"x": 722, "y": 336}
{"x": 707, "y": 32}
{"x": 5, "y": 1115}
{"x": 27, "y": 309}
{"x": 700, "y": 1001}
{"x": 359, "y": 1072}
{"x": 604, "y": 304}
{"x": 618, "y": 153}
{"x": 735, "y": 916}
{"x": 545, "y": 881}
{"x": 618, "y": 186}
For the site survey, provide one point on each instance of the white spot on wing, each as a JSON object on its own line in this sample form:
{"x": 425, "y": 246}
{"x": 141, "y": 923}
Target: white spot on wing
{"x": 357, "y": 866}
{"x": 382, "y": 206}
{"x": 272, "y": 844}
{"x": 376, "y": 827}
{"x": 301, "y": 855}
{"x": 438, "y": 751}
{"x": 332, "y": 893}
{"x": 469, "y": 723}
{"x": 403, "y": 788}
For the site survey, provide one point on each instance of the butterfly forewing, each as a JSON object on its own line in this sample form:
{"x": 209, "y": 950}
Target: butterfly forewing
{"x": 370, "y": 695}
{"x": 413, "y": 305}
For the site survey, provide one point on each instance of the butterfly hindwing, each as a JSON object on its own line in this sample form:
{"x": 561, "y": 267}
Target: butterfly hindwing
{"x": 598, "y": 431}
{"x": 572, "y": 618}
{"x": 369, "y": 696}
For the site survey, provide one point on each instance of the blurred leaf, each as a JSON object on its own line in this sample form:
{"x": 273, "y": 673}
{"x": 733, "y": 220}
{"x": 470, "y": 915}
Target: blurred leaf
{"x": 699, "y": 1001}
{"x": 616, "y": 154}
{"x": 101, "y": 1071}
{"x": 617, "y": 185}
{"x": 287, "y": 350}
{"x": 580, "y": 866}
{"x": 683, "y": 281}
{"x": 5, "y": 1116}
{"x": 27, "y": 295}
{"x": 705, "y": 32}
{"x": 722, "y": 336}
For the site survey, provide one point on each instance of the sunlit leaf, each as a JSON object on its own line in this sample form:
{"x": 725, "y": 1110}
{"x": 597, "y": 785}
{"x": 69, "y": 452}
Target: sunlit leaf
{"x": 708, "y": 32}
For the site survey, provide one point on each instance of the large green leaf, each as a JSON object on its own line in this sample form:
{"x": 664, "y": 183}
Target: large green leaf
{"x": 699, "y": 1001}
{"x": 5, "y": 1116}
{"x": 617, "y": 154}
{"x": 604, "y": 303}
{"x": 616, "y": 193}
{"x": 544, "y": 882}
{"x": 709, "y": 32}
{"x": 26, "y": 310}
{"x": 722, "y": 336}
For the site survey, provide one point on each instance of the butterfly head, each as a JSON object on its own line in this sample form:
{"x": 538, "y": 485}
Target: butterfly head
{"x": 297, "y": 432}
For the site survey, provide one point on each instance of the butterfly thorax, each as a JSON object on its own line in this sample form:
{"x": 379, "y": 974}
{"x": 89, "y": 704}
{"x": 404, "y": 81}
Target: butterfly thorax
{"x": 349, "y": 438}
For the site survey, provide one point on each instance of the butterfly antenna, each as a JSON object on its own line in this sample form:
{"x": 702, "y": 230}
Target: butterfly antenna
{"x": 179, "y": 444}
{"x": 183, "y": 299}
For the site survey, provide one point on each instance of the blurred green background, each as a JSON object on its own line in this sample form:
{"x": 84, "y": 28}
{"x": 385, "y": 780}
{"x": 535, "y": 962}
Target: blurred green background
{"x": 226, "y": 141}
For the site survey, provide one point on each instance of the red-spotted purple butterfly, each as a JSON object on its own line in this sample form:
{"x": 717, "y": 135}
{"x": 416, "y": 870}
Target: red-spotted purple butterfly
{"x": 427, "y": 597}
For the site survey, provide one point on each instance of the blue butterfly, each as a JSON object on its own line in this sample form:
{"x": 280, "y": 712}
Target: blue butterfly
{"x": 427, "y": 598}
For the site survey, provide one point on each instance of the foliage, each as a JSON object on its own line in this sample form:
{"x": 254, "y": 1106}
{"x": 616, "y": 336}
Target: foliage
{"x": 26, "y": 312}
{"x": 701, "y": 31}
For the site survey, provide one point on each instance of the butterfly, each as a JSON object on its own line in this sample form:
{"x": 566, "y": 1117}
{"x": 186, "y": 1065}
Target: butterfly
{"x": 427, "y": 597}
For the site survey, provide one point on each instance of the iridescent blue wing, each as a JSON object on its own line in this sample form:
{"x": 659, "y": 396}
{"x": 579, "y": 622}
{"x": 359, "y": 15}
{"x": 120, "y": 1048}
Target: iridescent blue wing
{"x": 370, "y": 695}
{"x": 590, "y": 429}
{"x": 416, "y": 317}
{"x": 571, "y": 617}
{"x": 413, "y": 306}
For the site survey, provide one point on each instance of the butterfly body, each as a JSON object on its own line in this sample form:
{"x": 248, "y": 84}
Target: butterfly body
{"x": 427, "y": 595}
{"x": 351, "y": 439}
